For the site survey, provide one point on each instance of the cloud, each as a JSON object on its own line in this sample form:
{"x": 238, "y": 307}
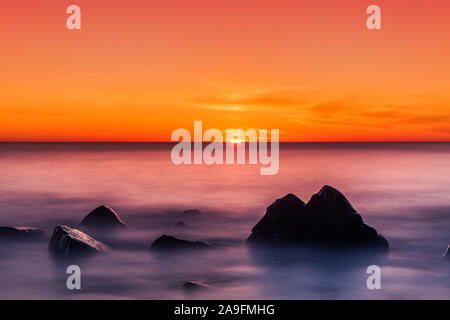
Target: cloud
{"x": 408, "y": 116}
{"x": 246, "y": 100}
{"x": 350, "y": 114}
{"x": 305, "y": 109}
{"x": 277, "y": 98}
{"x": 225, "y": 108}
{"x": 331, "y": 108}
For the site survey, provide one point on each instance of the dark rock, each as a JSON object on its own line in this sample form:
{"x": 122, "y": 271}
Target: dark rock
{"x": 181, "y": 224}
{"x": 194, "y": 285}
{"x": 103, "y": 216}
{"x": 20, "y": 233}
{"x": 279, "y": 215}
{"x": 328, "y": 220}
{"x": 447, "y": 253}
{"x": 192, "y": 212}
{"x": 171, "y": 243}
{"x": 329, "y": 201}
{"x": 66, "y": 241}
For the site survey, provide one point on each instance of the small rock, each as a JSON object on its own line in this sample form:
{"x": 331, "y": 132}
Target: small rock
{"x": 171, "y": 243}
{"x": 192, "y": 212}
{"x": 66, "y": 241}
{"x": 194, "y": 285}
{"x": 181, "y": 224}
{"x": 103, "y": 216}
{"x": 447, "y": 253}
{"x": 20, "y": 233}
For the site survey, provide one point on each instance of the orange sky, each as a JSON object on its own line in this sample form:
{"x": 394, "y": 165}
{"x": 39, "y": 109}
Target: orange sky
{"x": 139, "y": 69}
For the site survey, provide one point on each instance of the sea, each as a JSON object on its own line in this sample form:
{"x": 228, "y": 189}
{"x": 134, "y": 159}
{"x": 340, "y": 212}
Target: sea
{"x": 401, "y": 189}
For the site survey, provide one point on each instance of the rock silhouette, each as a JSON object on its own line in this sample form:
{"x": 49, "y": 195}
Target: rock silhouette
{"x": 328, "y": 220}
{"x": 66, "y": 241}
{"x": 194, "y": 285}
{"x": 103, "y": 217}
{"x": 447, "y": 253}
{"x": 192, "y": 212}
{"x": 166, "y": 242}
{"x": 20, "y": 233}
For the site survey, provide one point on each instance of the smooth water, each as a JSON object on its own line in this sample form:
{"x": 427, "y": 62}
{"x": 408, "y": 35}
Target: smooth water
{"x": 400, "y": 189}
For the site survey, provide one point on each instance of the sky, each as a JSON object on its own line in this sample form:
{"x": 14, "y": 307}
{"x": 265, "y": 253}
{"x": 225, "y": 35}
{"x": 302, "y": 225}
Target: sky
{"x": 139, "y": 69}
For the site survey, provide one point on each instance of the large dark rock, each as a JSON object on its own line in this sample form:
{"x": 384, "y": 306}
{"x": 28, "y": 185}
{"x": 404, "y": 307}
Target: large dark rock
{"x": 103, "y": 217}
{"x": 66, "y": 241}
{"x": 171, "y": 243}
{"x": 20, "y": 233}
{"x": 328, "y": 220}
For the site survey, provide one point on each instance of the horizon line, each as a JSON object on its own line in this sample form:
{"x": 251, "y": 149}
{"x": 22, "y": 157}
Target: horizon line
{"x": 363, "y": 141}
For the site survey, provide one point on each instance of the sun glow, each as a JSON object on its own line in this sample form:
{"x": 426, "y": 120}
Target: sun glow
{"x": 235, "y": 141}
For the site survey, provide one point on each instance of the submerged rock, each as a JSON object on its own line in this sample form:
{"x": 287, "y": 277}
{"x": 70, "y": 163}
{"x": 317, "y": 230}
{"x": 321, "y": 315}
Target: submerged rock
{"x": 171, "y": 243}
{"x": 20, "y": 233}
{"x": 447, "y": 253}
{"x": 103, "y": 216}
{"x": 181, "y": 224}
{"x": 192, "y": 212}
{"x": 328, "y": 219}
{"x": 194, "y": 285}
{"x": 66, "y": 241}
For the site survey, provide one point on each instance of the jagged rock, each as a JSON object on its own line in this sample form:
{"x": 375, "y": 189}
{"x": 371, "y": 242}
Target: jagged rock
{"x": 328, "y": 219}
{"x": 329, "y": 201}
{"x": 20, "y": 233}
{"x": 279, "y": 215}
{"x": 194, "y": 285}
{"x": 66, "y": 241}
{"x": 447, "y": 253}
{"x": 103, "y": 216}
{"x": 171, "y": 243}
{"x": 192, "y": 212}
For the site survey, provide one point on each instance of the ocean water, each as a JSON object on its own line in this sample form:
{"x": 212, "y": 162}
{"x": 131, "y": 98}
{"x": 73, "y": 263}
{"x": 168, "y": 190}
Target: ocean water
{"x": 401, "y": 189}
